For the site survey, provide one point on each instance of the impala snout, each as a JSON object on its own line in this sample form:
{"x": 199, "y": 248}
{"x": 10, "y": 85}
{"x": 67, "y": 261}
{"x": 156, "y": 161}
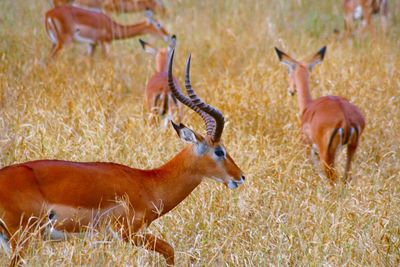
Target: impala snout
{"x": 233, "y": 184}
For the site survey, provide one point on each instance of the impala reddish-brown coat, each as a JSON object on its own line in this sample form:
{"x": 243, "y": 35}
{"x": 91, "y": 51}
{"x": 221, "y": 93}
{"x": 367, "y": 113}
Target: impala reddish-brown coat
{"x": 65, "y": 24}
{"x": 156, "y": 6}
{"x": 159, "y": 99}
{"x": 72, "y": 196}
{"x": 327, "y": 122}
{"x": 364, "y": 10}
{"x": 120, "y": 6}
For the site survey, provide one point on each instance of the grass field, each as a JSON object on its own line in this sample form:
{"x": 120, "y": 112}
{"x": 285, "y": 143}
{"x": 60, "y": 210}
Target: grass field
{"x": 91, "y": 109}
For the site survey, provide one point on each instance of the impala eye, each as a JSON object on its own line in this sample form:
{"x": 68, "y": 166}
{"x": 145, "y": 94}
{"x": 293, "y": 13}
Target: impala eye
{"x": 219, "y": 152}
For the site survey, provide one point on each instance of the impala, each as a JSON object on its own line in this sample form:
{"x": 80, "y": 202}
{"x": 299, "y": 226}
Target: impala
{"x": 65, "y": 24}
{"x": 158, "y": 97}
{"x": 120, "y": 6}
{"x": 77, "y": 195}
{"x": 364, "y": 9}
{"x": 156, "y": 6}
{"x": 328, "y": 122}
{"x": 61, "y": 2}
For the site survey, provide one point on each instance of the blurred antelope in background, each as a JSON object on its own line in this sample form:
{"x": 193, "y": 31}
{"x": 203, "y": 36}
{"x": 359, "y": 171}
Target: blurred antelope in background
{"x": 65, "y": 24}
{"x": 328, "y": 122}
{"x": 119, "y": 6}
{"x": 159, "y": 99}
{"x": 71, "y": 197}
{"x": 364, "y": 10}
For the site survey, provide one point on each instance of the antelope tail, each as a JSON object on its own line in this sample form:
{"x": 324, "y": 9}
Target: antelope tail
{"x": 350, "y": 137}
{"x": 336, "y": 132}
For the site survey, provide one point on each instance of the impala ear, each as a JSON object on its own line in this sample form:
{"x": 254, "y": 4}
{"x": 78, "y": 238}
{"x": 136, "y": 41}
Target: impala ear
{"x": 286, "y": 60}
{"x": 317, "y": 58}
{"x": 186, "y": 134}
{"x": 147, "y": 47}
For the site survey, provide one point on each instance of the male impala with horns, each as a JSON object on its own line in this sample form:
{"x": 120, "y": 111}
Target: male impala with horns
{"x": 63, "y": 197}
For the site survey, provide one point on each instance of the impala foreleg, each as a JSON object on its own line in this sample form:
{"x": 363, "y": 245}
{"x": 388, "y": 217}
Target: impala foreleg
{"x": 55, "y": 50}
{"x": 105, "y": 48}
{"x": 91, "y": 49}
{"x": 150, "y": 242}
{"x": 384, "y": 16}
{"x": 367, "y": 25}
{"x": 348, "y": 26}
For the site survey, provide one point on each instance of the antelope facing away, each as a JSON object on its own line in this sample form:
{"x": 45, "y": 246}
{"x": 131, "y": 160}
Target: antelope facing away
{"x": 327, "y": 122}
{"x": 120, "y": 6}
{"x": 363, "y": 10}
{"x": 72, "y": 196}
{"x": 65, "y": 24}
{"x": 159, "y": 99}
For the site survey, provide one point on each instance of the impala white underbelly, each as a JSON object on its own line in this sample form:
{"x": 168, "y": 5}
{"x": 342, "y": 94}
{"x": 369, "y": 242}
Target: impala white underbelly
{"x": 85, "y": 217}
{"x": 84, "y": 34}
{"x": 63, "y": 218}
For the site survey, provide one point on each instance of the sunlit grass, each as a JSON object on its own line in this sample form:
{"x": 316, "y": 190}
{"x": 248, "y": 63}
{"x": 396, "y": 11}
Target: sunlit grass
{"x": 91, "y": 109}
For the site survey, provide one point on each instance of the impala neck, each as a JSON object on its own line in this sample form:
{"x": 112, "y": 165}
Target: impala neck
{"x": 176, "y": 179}
{"x": 122, "y": 31}
{"x": 161, "y": 61}
{"x": 303, "y": 89}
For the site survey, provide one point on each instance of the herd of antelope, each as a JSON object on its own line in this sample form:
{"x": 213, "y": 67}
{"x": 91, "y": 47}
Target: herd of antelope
{"x": 61, "y": 197}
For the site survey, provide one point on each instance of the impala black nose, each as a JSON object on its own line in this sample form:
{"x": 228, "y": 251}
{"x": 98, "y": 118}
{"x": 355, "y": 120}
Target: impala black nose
{"x": 243, "y": 178}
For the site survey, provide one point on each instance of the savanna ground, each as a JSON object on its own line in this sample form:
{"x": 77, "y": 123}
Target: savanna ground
{"x": 91, "y": 109}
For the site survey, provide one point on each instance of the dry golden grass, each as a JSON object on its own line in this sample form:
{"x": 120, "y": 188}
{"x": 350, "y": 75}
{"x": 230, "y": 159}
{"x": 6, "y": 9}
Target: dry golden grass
{"x": 83, "y": 109}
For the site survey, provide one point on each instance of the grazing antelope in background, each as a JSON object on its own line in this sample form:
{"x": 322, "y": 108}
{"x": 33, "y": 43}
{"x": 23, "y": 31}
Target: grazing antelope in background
{"x": 77, "y": 195}
{"x": 159, "y": 99}
{"x": 120, "y": 6}
{"x": 327, "y": 122}
{"x": 65, "y": 24}
{"x": 363, "y": 10}
{"x": 61, "y": 2}
{"x": 156, "y": 6}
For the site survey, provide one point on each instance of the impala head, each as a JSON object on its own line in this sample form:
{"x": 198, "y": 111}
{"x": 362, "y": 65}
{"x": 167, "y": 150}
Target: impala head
{"x": 155, "y": 27}
{"x": 297, "y": 68}
{"x": 211, "y": 155}
{"x": 161, "y": 54}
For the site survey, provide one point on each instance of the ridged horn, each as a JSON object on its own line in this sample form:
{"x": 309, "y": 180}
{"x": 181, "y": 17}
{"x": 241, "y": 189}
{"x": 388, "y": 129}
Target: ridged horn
{"x": 179, "y": 95}
{"x": 215, "y": 124}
